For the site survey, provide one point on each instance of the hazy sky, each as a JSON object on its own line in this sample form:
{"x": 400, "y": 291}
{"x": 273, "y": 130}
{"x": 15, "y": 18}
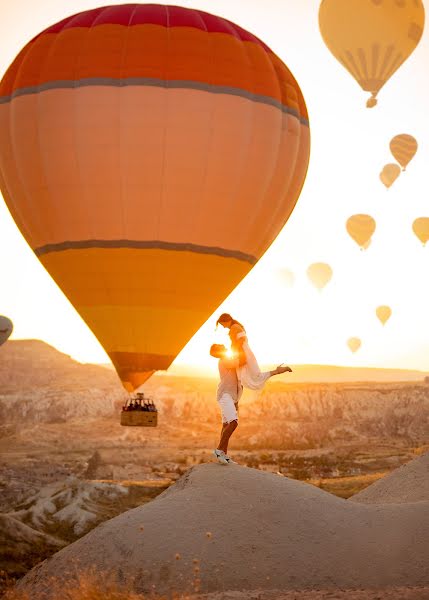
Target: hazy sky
{"x": 350, "y": 145}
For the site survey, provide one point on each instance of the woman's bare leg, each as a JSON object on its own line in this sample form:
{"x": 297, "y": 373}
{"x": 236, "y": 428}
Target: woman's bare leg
{"x": 227, "y": 431}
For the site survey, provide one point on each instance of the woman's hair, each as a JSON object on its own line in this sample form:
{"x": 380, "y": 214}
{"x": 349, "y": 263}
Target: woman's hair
{"x": 225, "y": 318}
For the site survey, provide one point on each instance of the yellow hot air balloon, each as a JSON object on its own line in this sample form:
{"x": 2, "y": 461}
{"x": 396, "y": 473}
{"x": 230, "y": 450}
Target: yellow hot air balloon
{"x": 149, "y": 154}
{"x": 371, "y": 38}
{"x": 403, "y": 147}
{"x": 361, "y": 228}
{"x": 319, "y": 274}
{"x": 390, "y": 174}
{"x": 421, "y": 229}
{"x": 354, "y": 344}
{"x": 383, "y": 313}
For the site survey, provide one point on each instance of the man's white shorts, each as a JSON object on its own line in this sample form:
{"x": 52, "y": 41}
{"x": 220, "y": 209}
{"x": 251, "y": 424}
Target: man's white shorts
{"x": 228, "y": 408}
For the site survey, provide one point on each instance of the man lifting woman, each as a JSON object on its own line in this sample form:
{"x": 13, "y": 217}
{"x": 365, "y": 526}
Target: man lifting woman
{"x": 239, "y": 370}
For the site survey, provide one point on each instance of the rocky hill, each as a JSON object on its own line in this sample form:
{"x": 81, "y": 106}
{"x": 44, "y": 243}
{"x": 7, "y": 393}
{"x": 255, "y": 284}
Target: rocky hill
{"x": 26, "y": 364}
{"x": 40, "y": 384}
{"x": 409, "y": 483}
{"x": 60, "y": 513}
{"x": 223, "y": 528}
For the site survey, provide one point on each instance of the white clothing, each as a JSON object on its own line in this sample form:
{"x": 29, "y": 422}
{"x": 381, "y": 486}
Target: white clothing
{"x": 250, "y": 375}
{"x": 228, "y": 408}
{"x": 228, "y": 383}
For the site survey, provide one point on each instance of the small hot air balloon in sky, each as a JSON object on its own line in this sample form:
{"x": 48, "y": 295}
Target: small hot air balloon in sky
{"x": 319, "y": 274}
{"x": 287, "y": 277}
{"x": 6, "y": 328}
{"x": 383, "y": 313}
{"x": 371, "y": 38}
{"x": 390, "y": 174}
{"x": 150, "y": 155}
{"x": 354, "y": 344}
{"x": 421, "y": 229}
{"x": 361, "y": 228}
{"x": 403, "y": 148}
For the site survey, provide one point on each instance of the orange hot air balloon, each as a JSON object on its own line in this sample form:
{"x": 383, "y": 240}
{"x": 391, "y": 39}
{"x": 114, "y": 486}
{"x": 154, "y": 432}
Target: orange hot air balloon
{"x": 354, "y": 343}
{"x": 319, "y": 274}
{"x": 421, "y": 229}
{"x": 361, "y": 228}
{"x": 149, "y": 155}
{"x": 403, "y": 147}
{"x": 383, "y": 313}
{"x": 390, "y": 174}
{"x": 371, "y": 38}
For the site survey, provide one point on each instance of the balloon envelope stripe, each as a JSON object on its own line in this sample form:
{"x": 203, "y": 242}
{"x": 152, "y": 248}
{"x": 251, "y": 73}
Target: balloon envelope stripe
{"x": 205, "y": 177}
{"x": 216, "y": 59}
{"x": 153, "y": 82}
{"x": 145, "y": 244}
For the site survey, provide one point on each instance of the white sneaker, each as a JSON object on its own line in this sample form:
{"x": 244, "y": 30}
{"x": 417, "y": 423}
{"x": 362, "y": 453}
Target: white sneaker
{"x": 221, "y": 456}
{"x": 230, "y": 461}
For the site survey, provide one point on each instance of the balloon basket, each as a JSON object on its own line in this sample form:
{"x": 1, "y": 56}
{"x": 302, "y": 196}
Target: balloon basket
{"x": 139, "y": 411}
{"x": 136, "y": 418}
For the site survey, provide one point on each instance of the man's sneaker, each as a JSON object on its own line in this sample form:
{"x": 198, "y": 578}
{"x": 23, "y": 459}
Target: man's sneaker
{"x": 230, "y": 461}
{"x": 221, "y": 456}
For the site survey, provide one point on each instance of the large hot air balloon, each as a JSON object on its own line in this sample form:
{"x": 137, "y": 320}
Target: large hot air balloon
{"x": 6, "y": 328}
{"x": 354, "y": 344}
{"x": 319, "y": 274}
{"x": 383, "y": 314}
{"x": 421, "y": 229}
{"x": 149, "y": 155}
{"x": 361, "y": 228}
{"x": 403, "y": 148}
{"x": 390, "y": 174}
{"x": 371, "y": 38}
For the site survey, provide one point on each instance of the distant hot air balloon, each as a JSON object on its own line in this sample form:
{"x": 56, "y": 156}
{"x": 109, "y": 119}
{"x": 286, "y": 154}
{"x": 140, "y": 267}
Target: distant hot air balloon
{"x": 403, "y": 147}
{"x": 421, "y": 229}
{"x": 287, "y": 277}
{"x": 383, "y": 313}
{"x": 371, "y": 38}
{"x": 319, "y": 274}
{"x": 149, "y": 155}
{"x": 390, "y": 174}
{"x": 361, "y": 228}
{"x": 6, "y": 328}
{"x": 354, "y": 344}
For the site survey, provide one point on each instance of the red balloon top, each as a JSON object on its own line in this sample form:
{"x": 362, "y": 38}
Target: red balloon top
{"x": 154, "y": 14}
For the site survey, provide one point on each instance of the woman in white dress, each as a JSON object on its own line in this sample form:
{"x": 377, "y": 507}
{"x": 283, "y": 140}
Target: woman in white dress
{"x": 248, "y": 371}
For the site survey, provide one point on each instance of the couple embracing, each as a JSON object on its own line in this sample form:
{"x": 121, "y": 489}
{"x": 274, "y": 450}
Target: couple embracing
{"x": 236, "y": 371}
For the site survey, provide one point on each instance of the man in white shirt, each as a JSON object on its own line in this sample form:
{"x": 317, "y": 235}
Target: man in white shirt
{"x": 229, "y": 392}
